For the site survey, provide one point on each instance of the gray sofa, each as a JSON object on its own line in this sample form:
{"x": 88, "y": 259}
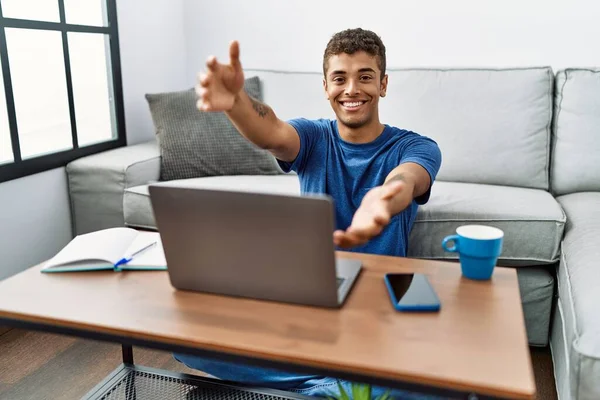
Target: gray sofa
{"x": 521, "y": 151}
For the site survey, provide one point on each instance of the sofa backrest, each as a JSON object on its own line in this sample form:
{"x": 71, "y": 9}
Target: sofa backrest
{"x": 492, "y": 125}
{"x": 576, "y": 132}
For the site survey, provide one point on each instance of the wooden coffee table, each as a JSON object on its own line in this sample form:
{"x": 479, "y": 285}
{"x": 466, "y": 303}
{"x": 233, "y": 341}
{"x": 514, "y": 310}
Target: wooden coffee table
{"x": 475, "y": 347}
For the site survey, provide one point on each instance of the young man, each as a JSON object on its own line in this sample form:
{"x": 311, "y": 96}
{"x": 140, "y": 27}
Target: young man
{"x": 377, "y": 174}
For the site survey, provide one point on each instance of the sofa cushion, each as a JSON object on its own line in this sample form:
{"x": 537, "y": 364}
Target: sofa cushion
{"x": 579, "y": 295}
{"x": 138, "y": 209}
{"x": 531, "y": 219}
{"x": 575, "y": 161}
{"x": 195, "y": 143}
{"x": 492, "y": 125}
{"x": 97, "y": 183}
{"x": 536, "y": 285}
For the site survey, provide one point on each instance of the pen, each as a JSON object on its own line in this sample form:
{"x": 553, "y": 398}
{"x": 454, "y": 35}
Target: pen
{"x": 125, "y": 260}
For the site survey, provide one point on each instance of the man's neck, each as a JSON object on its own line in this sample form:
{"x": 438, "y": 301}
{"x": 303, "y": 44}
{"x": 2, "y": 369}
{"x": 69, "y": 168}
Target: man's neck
{"x": 364, "y": 134}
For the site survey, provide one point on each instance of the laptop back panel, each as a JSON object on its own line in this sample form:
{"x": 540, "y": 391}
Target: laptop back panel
{"x": 271, "y": 247}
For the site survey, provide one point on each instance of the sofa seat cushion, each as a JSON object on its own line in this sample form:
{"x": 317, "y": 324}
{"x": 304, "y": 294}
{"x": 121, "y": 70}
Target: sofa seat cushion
{"x": 138, "y": 209}
{"x": 579, "y": 294}
{"x": 531, "y": 219}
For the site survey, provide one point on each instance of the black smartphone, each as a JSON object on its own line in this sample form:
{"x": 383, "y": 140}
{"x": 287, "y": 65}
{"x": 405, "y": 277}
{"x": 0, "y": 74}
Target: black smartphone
{"x": 411, "y": 292}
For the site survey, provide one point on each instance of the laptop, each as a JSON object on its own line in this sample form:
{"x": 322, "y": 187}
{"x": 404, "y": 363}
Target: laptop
{"x": 257, "y": 245}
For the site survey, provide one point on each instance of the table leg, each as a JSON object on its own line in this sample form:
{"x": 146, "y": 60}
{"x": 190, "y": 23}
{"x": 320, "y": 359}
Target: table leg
{"x": 127, "y": 354}
{"x": 130, "y": 393}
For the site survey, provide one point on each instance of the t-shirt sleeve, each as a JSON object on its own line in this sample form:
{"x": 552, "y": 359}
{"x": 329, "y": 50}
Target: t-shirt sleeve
{"x": 307, "y": 131}
{"x": 425, "y": 152}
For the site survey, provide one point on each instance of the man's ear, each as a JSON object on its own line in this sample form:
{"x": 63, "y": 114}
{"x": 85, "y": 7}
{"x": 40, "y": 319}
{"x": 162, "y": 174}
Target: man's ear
{"x": 383, "y": 88}
{"x": 325, "y": 88}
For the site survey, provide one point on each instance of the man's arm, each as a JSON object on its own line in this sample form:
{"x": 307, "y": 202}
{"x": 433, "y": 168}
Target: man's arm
{"x": 222, "y": 89}
{"x": 402, "y": 185}
{"x": 259, "y": 124}
{"x": 416, "y": 182}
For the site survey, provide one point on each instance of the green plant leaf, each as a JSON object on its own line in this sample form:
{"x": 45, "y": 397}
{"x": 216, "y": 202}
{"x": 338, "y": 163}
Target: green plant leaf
{"x": 385, "y": 396}
{"x": 361, "y": 392}
{"x": 343, "y": 394}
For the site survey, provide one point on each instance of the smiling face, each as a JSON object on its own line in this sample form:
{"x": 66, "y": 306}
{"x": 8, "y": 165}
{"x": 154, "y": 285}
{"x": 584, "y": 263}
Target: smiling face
{"x": 353, "y": 86}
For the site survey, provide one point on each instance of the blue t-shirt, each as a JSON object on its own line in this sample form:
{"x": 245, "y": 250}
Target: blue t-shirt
{"x": 347, "y": 171}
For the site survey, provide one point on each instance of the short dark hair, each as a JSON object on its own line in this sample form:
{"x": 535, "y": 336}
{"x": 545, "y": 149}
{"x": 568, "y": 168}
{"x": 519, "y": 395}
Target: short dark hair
{"x": 352, "y": 40}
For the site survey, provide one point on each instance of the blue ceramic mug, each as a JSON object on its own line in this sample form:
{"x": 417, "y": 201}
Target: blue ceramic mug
{"x": 478, "y": 247}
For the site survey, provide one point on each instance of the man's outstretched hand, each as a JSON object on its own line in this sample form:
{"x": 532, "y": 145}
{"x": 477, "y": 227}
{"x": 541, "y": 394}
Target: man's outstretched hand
{"x": 373, "y": 215}
{"x": 219, "y": 86}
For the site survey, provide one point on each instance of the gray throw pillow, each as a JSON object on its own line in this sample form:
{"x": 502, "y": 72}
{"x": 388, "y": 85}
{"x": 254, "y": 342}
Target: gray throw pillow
{"x": 196, "y": 144}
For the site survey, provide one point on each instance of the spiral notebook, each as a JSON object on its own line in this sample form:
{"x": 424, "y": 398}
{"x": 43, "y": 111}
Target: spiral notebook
{"x": 110, "y": 249}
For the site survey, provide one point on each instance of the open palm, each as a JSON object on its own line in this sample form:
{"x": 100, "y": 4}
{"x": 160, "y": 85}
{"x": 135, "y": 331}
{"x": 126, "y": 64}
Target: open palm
{"x": 371, "y": 218}
{"x": 219, "y": 86}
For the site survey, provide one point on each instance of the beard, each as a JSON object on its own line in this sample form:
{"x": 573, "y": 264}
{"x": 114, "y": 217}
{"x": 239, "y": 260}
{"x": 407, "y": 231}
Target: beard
{"x": 355, "y": 123}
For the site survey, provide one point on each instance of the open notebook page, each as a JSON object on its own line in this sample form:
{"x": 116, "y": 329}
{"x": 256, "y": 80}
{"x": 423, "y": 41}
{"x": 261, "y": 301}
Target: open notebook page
{"x": 153, "y": 257}
{"x": 106, "y": 246}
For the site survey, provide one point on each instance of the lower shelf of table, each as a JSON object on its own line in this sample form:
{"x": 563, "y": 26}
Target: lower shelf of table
{"x": 133, "y": 382}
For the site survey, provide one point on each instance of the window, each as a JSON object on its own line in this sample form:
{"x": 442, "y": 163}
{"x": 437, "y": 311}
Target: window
{"x": 61, "y": 97}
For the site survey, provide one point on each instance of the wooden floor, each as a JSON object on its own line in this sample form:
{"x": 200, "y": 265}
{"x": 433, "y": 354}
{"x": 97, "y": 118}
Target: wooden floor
{"x": 41, "y": 366}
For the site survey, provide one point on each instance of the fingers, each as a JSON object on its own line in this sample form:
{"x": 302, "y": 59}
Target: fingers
{"x": 355, "y": 237}
{"x": 234, "y": 54}
{"x": 359, "y": 233}
{"x": 366, "y": 234}
{"x": 212, "y": 63}
{"x": 234, "y": 58}
{"x": 201, "y": 92}
{"x": 204, "y": 80}
{"x": 346, "y": 239}
{"x": 209, "y": 101}
{"x": 217, "y": 87}
{"x": 202, "y": 105}
{"x": 337, "y": 237}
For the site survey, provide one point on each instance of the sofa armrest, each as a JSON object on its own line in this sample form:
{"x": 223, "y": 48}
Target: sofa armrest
{"x": 97, "y": 184}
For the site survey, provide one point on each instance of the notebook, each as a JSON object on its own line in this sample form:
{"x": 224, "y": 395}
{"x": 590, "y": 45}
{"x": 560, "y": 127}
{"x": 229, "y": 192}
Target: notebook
{"x": 110, "y": 249}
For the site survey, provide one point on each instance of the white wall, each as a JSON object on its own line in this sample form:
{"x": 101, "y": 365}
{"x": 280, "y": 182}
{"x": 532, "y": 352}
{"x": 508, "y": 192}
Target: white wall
{"x": 35, "y": 219}
{"x": 153, "y": 58}
{"x": 292, "y": 34}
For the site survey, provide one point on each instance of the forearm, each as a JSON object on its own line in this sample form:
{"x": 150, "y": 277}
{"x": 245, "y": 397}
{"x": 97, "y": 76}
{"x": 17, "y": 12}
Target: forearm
{"x": 402, "y": 200}
{"x": 255, "y": 120}
{"x": 416, "y": 182}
